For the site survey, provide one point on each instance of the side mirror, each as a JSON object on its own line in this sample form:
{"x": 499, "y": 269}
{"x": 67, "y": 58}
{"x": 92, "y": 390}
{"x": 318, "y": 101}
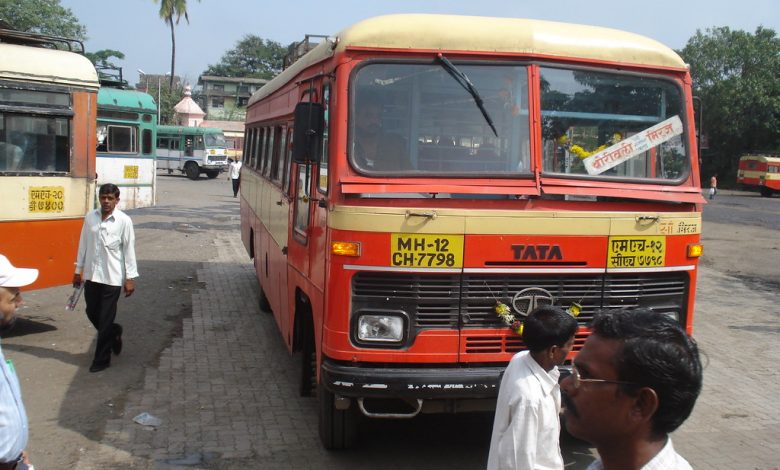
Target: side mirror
{"x": 308, "y": 131}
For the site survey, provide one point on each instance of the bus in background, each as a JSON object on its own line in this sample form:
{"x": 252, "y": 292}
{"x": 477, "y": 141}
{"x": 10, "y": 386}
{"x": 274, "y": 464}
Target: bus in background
{"x": 760, "y": 172}
{"x": 191, "y": 150}
{"x": 234, "y": 136}
{"x": 126, "y": 136}
{"x": 48, "y": 103}
{"x": 409, "y": 195}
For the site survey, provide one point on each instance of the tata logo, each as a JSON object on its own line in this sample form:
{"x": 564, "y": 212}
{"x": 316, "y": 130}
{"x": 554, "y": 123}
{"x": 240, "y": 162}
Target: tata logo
{"x": 537, "y": 252}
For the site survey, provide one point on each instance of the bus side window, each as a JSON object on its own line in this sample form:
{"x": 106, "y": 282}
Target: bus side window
{"x": 286, "y": 176}
{"x": 146, "y": 142}
{"x": 189, "y": 145}
{"x": 322, "y": 182}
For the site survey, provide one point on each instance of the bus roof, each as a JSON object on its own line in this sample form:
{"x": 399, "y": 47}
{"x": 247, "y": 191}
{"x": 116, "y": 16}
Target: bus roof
{"x": 772, "y": 158}
{"x": 485, "y": 35}
{"x": 187, "y": 130}
{"x": 37, "y": 64}
{"x": 117, "y": 98}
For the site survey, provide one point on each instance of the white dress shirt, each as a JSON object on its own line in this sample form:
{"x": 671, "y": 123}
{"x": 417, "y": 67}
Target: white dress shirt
{"x": 527, "y": 425}
{"x": 13, "y": 419}
{"x": 107, "y": 248}
{"x": 235, "y": 170}
{"x": 667, "y": 459}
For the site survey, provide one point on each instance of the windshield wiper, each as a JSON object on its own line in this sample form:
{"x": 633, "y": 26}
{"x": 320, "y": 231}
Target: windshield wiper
{"x": 464, "y": 81}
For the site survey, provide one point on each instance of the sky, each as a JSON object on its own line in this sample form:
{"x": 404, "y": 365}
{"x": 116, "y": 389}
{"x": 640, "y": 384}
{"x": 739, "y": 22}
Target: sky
{"x": 215, "y": 26}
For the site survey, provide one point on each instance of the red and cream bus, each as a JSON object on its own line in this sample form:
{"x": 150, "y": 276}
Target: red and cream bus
{"x": 48, "y": 106}
{"x": 760, "y": 172}
{"x": 416, "y": 184}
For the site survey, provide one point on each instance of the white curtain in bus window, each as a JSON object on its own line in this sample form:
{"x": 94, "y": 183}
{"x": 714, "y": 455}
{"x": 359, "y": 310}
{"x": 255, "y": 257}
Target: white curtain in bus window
{"x": 610, "y": 125}
{"x": 417, "y": 119}
{"x": 32, "y": 143}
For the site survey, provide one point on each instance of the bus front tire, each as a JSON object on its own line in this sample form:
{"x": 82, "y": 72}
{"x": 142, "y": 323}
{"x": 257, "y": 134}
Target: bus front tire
{"x": 338, "y": 428}
{"x": 766, "y": 192}
{"x": 192, "y": 170}
{"x": 308, "y": 378}
{"x": 212, "y": 174}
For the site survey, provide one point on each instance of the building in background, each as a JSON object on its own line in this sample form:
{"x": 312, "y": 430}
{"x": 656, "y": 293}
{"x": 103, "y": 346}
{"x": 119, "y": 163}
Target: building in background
{"x": 226, "y": 98}
{"x": 188, "y": 113}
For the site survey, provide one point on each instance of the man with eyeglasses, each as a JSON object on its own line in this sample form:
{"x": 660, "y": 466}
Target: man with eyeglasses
{"x": 635, "y": 381}
{"x": 13, "y": 418}
{"x": 527, "y": 427}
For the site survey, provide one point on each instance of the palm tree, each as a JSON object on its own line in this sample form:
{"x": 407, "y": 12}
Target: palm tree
{"x": 169, "y": 9}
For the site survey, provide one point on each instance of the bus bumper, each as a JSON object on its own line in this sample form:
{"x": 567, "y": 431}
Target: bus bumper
{"x": 411, "y": 383}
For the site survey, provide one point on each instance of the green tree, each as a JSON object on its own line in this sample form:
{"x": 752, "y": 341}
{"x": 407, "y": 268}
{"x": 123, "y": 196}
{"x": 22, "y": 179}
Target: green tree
{"x": 737, "y": 76}
{"x": 168, "y": 10}
{"x": 102, "y": 57}
{"x": 253, "y": 57}
{"x": 42, "y": 16}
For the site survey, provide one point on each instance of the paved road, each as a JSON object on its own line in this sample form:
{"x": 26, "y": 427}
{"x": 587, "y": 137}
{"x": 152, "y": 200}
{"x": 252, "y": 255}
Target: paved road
{"x": 218, "y": 376}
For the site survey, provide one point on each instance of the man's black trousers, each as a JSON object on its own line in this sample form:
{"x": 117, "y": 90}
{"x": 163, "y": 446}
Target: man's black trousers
{"x": 101, "y": 310}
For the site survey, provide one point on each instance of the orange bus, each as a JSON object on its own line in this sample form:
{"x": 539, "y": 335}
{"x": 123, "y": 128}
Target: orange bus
{"x": 48, "y": 111}
{"x": 760, "y": 172}
{"x": 415, "y": 185}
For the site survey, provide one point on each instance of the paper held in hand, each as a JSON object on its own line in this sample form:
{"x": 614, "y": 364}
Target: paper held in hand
{"x": 74, "y": 298}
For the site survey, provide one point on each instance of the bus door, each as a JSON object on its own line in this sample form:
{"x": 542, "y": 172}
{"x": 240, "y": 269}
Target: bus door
{"x": 168, "y": 152}
{"x": 319, "y": 176}
{"x": 298, "y": 244}
{"x": 308, "y": 234}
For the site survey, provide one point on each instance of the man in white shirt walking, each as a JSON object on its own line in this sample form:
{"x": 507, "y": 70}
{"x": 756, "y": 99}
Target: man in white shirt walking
{"x": 235, "y": 174}
{"x": 105, "y": 263}
{"x": 527, "y": 425}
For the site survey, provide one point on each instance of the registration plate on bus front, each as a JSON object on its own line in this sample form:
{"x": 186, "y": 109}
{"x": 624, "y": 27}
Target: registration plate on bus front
{"x": 426, "y": 250}
{"x": 636, "y": 252}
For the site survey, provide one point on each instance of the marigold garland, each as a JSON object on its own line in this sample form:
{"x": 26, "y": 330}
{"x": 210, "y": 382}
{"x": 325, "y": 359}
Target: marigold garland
{"x": 578, "y": 150}
{"x": 505, "y": 313}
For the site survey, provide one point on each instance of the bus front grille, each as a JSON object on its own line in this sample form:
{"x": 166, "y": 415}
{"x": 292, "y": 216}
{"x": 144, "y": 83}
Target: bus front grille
{"x": 469, "y": 301}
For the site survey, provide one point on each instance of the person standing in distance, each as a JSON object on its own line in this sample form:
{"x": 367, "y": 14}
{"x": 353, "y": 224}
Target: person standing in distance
{"x": 235, "y": 174}
{"x": 635, "y": 381}
{"x": 713, "y": 186}
{"x": 105, "y": 263}
{"x": 13, "y": 418}
{"x": 527, "y": 427}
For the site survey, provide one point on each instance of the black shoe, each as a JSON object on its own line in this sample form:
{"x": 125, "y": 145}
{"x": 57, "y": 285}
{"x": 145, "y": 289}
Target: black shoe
{"x": 116, "y": 347}
{"x": 98, "y": 367}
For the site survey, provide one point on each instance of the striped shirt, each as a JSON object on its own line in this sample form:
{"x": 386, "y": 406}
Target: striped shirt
{"x": 13, "y": 418}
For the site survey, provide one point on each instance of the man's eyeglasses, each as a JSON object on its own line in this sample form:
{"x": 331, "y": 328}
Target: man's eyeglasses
{"x": 577, "y": 380}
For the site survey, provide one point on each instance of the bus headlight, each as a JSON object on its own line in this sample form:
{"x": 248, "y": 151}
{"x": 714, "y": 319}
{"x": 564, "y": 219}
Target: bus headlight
{"x": 380, "y": 328}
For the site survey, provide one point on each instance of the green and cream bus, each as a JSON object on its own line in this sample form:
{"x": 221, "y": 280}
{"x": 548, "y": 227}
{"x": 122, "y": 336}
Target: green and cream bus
{"x": 126, "y": 128}
{"x": 191, "y": 150}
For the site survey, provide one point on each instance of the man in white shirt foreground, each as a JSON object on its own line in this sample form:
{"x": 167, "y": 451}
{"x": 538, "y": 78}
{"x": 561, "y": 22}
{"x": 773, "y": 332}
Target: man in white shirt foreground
{"x": 527, "y": 425}
{"x": 106, "y": 257}
{"x": 13, "y": 418}
{"x": 635, "y": 380}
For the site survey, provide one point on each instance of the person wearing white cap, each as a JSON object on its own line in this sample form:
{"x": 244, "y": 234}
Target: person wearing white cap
{"x": 105, "y": 263}
{"x": 13, "y": 418}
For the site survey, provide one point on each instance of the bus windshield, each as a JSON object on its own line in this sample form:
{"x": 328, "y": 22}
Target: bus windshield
{"x": 215, "y": 140}
{"x": 609, "y": 125}
{"x": 416, "y": 119}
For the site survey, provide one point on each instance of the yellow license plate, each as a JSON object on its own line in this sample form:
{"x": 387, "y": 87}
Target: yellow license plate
{"x": 426, "y": 251}
{"x": 636, "y": 252}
